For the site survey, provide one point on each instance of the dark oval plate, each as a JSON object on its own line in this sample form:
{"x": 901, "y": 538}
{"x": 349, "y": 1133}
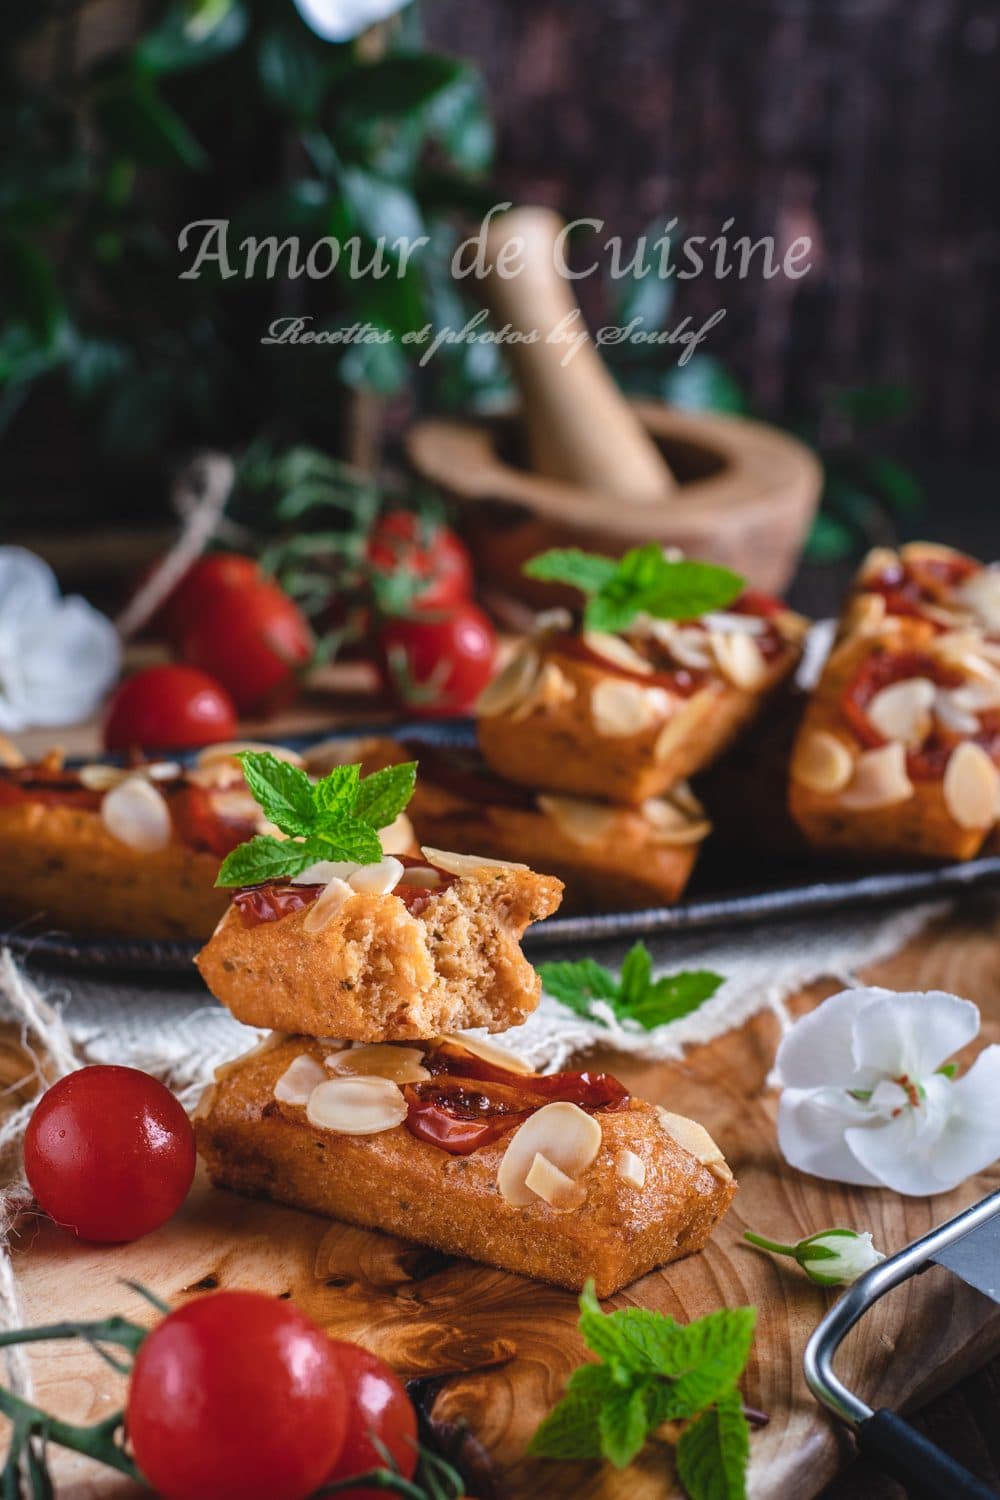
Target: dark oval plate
{"x": 724, "y": 896}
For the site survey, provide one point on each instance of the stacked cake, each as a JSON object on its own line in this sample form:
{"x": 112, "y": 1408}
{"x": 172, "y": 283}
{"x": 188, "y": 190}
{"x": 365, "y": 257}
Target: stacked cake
{"x": 368, "y": 1103}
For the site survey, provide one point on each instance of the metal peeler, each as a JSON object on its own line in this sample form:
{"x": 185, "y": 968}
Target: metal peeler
{"x": 969, "y": 1245}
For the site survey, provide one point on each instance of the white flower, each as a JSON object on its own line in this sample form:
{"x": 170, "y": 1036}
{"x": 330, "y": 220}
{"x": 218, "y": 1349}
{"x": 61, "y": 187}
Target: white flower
{"x": 58, "y": 657}
{"x": 867, "y": 1099}
{"x": 833, "y": 1257}
{"x": 339, "y": 20}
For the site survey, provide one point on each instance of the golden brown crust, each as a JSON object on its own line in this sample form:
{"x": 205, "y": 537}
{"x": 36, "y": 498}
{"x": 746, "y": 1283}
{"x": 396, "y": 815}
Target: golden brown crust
{"x": 921, "y": 827}
{"x": 404, "y": 1186}
{"x": 62, "y": 865}
{"x": 557, "y": 745}
{"x": 377, "y": 972}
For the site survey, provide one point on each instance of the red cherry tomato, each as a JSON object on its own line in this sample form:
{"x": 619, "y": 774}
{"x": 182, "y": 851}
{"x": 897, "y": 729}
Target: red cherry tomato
{"x": 217, "y": 572}
{"x": 236, "y": 1396}
{"x": 436, "y": 562}
{"x": 253, "y": 639}
{"x": 436, "y": 664}
{"x": 169, "y": 708}
{"x": 109, "y": 1153}
{"x": 377, "y": 1408}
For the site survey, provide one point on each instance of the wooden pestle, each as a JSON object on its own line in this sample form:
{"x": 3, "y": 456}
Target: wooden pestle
{"x": 579, "y": 426}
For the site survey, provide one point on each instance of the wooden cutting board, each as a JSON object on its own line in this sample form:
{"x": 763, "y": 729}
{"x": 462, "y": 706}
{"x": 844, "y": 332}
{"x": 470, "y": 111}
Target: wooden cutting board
{"x": 503, "y": 1347}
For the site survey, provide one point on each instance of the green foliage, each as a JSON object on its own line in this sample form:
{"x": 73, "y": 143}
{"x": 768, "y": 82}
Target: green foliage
{"x": 336, "y": 818}
{"x": 228, "y": 109}
{"x": 635, "y": 995}
{"x": 642, "y": 582}
{"x": 654, "y": 1369}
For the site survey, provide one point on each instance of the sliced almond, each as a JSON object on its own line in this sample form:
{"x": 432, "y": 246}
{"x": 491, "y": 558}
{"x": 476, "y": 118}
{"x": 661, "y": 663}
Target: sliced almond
{"x": 356, "y": 1106}
{"x": 548, "y": 620}
{"x": 327, "y": 905}
{"x": 378, "y": 879}
{"x": 326, "y": 870}
{"x": 620, "y": 708}
{"x": 670, "y": 824}
{"x": 721, "y": 622}
{"x": 465, "y": 864}
{"x": 878, "y": 561}
{"x": 740, "y": 660}
{"x": 630, "y": 1168}
{"x": 821, "y": 761}
{"x": 423, "y": 876}
{"x": 865, "y": 614}
{"x": 583, "y": 821}
{"x": 678, "y": 726}
{"x": 928, "y": 552}
{"x": 563, "y": 1133}
{"x": 380, "y": 1060}
{"x": 399, "y": 837}
{"x": 949, "y": 712}
{"x": 551, "y": 689}
{"x": 511, "y": 686}
{"x": 971, "y": 787}
{"x": 547, "y": 1182}
{"x": 902, "y": 711}
{"x": 136, "y": 814}
{"x": 695, "y": 1139}
{"x": 489, "y": 1051}
{"x": 980, "y": 593}
{"x": 98, "y": 777}
{"x": 229, "y": 749}
{"x": 298, "y": 1080}
{"x": 613, "y": 649}
{"x": 880, "y": 780}
{"x": 688, "y": 645}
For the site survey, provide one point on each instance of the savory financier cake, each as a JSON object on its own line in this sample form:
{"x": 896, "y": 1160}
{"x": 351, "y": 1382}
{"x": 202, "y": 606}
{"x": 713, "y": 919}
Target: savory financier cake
{"x": 405, "y": 948}
{"x": 925, "y": 581}
{"x": 898, "y": 753}
{"x": 610, "y": 856}
{"x": 450, "y": 1143}
{"x": 626, "y": 717}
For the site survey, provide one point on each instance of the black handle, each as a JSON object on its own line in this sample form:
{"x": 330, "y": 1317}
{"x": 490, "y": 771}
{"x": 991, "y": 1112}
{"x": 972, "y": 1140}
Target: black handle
{"x": 925, "y": 1471}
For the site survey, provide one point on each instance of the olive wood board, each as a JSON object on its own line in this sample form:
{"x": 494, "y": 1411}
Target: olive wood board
{"x": 727, "y": 890}
{"x": 500, "y": 1347}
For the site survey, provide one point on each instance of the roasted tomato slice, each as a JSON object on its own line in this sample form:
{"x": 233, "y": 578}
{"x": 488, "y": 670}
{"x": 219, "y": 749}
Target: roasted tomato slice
{"x": 908, "y": 588}
{"x": 269, "y": 902}
{"x": 677, "y": 680}
{"x": 55, "y": 788}
{"x": 201, "y": 826}
{"x": 880, "y": 670}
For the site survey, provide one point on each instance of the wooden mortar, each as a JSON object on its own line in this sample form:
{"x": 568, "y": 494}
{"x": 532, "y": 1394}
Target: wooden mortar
{"x": 585, "y": 467}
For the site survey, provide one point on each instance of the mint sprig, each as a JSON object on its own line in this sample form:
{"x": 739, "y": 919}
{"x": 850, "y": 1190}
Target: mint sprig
{"x": 642, "y": 582}
{"x": 635, "y": 995}
{"x": 653, "y": 1370}
{"x": 337, "y": 818}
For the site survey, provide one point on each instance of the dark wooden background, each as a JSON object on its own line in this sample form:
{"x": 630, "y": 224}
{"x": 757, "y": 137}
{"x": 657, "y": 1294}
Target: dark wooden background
{"x": 871, "y": 125}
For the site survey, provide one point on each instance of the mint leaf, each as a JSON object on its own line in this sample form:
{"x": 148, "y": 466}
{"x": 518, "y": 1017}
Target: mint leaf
{"x": 266, "y": 858}
{"x": 335, "y": 794}
{"x": 634, "y": 995}
{"x": 623, "y": 1425}
{"x": 336, "y": 819}
{"x": 586, "y": 571}
{"x": 578, "y": 984}
{"x": 709, "y": 1357}
{"x": 571, "y": 1428}
{"x": 713, "y": 1453}
{"x": 351, "y": 840}
{"x": 642, "y": 582}
{"x": 283, "y": 791}
{"x": 383, "y": 795}
{"x": 673, "y": 997}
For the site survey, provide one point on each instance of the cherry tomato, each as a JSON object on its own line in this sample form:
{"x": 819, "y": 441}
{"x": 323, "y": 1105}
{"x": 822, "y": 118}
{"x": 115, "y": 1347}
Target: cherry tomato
{"x": 217, "y": 572}
{"x": 169, "y": 708}
{"x": 253, "y": 639}
{"x": 109, "y": 1153}
{"x": 436, "y": 664}
{"x": 236, "y": 1396}
{"x": 432, "y": 556}
{"x": 377, "y": 1408}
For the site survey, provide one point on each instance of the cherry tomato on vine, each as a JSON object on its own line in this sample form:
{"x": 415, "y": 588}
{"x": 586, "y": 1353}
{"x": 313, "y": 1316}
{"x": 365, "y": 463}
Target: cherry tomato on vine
{"x": 109, "y": 1153}
{"x": 168, "y": 708}
{"x": 237, "y": 1396}
{"x": 426, "y": 553}
{"x": 210, "y": 575}
{"x": 437, "y": 663}
{"x": 379, "y": 1412}
{"x": 254, "y": 639}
